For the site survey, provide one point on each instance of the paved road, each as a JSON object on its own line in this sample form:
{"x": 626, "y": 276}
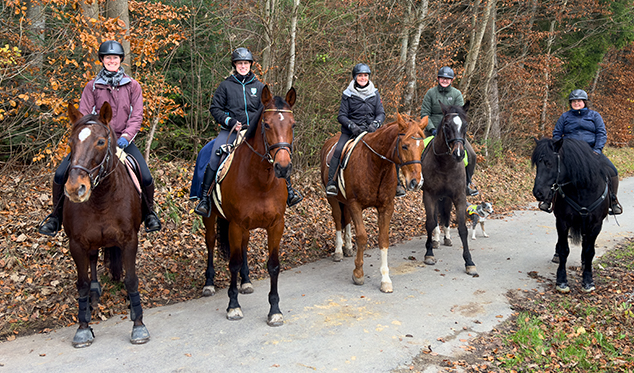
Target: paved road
{"x": 331, "y": 324}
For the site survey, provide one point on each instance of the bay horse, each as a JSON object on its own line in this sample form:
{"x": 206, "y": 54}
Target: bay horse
{"x": 445, "y": 181}
{"x": 103, "y": 210}
{"x": 370, "y": 181}
{"x": 254, "y": 196}
{"x": 571, "y": 175}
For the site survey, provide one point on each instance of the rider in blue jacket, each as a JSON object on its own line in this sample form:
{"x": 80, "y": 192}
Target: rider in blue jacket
{"x": 587, "y": 125}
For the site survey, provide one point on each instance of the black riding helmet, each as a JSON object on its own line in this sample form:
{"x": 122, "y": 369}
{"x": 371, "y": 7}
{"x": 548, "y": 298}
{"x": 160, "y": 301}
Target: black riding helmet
{"x": 578, "y": 94}
{"x": 360, "y": 68}
{"x": 446, "y": 72}
{"x": 111, "y": 48}
{"x": 241, "y": 54}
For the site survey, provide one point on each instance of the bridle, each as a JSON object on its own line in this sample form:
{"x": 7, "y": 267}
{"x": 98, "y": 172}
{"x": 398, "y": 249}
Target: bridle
{"x": 279, "y": 145}
{"x": 103, "y": 166}
{"x": 448, "y": 141}
{"x": 396, "y": 150}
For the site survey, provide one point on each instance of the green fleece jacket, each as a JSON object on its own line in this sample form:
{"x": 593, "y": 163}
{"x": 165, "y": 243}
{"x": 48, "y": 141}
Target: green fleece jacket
{"x": 431, "y": 107}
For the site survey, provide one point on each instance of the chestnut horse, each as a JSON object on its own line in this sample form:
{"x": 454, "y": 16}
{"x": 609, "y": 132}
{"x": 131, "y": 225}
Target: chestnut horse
{"x": 445, "y": 180}
{"x": 103, "y": 210}
{"x": 254, "y": 196}
{"x": 370, "y": 181}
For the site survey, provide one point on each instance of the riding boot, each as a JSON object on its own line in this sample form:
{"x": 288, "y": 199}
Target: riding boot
{"x": 331, "y": 186}
{"x": 400, "y": 190}
{"x": 152, "y": 222}
{"x": 615, "y": 206}
{"x": 294, "y": 196}
{"x": 53, "y": 222}
{"x": 204, "y": 206}
{"x": 471, "y": 191}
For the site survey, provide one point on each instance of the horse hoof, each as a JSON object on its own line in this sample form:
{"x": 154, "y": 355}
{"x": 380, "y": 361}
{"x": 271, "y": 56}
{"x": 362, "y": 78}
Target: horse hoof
{"x": 357, "y": 281}
{"x": 337, "y": 257}
{"x": 471, "y": 270}
{"x": 589, "y": 288}
{"x": 234, "y": 314}
{"x": 139, "y": 335}
{"x": 386, "y": 287}
{"x": 275, "y": 320}
{"x": 447, "y": 242}
{"x": 348, "y": 252}
{"x": 563, "y": 288}
{"x": 246, "y": 288}
{"x": 555, "y": 258}
{"x": 435, "y": 244}
{"x": 430, "y": 260}
{"x": 209, "y": 290}
{"x": 83, "y": 338}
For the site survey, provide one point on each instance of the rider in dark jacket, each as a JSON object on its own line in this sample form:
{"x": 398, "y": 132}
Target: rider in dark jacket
{"x": 236, "y": 104}
{"x": 586, "y": 125}
{"x": 361, "y": 110}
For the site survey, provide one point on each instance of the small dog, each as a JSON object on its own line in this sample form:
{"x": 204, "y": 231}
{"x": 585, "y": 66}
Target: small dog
{"x": 478, "y": 214}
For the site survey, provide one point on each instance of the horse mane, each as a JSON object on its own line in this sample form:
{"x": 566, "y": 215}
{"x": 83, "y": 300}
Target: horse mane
{"x": 278, "y": 103}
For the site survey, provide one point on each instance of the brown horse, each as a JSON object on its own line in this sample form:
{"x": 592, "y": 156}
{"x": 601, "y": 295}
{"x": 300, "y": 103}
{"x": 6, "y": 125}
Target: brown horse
{"x": 370, "y": 181}
{"x": 103, "y": 210}
{"x": 254, "y": 196}
{"x": 445, "y": 181}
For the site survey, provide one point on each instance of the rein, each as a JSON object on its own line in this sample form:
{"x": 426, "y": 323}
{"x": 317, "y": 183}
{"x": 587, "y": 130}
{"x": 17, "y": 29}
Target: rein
{"x": 397, "y": 151}
{"x": 279, "y": 145}
{"x": 103, "y": 166}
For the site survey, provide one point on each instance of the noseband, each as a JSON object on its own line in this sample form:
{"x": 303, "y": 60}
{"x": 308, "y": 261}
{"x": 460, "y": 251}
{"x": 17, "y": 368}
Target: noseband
{"x": 279, "y": 145}
{"x": 103, "y": 166}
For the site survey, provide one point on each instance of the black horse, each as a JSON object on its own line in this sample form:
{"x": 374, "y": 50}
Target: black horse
{"x": 573, "y": 176}
{"x": 445, "y": 180}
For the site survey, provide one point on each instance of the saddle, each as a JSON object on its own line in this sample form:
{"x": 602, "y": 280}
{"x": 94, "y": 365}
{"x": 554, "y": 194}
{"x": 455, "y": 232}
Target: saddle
{"x": 345, "y": 157}
{"x": 226, "y": 160}
{"x": 132, "y": 166}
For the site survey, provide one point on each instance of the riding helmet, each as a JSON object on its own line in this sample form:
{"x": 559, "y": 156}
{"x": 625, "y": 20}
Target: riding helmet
{"x": 241, "y": 54}
{"x": 446, "y": 72}
{"x": 360, "y": 68}
{"x": 578, "y": 94}
{"x": 111, "y": 48}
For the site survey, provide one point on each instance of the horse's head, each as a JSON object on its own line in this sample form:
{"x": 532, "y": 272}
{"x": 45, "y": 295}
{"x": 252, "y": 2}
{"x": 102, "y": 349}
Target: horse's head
{"x": 548, "y": 163}
{"x": 277, "y": 123}
{"x": 92, "y": 150}
{"x": 409, "y": 149}
{"x": 453, "y": 129}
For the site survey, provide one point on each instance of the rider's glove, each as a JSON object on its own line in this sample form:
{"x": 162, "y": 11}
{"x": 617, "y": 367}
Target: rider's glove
{"x": 123, "y": 142}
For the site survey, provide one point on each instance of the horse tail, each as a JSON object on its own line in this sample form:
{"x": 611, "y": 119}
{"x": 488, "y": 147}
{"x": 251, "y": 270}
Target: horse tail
{"x": 222, "y": 237}
{"x": 115, "y": 259}
{"x": 342, "y": 208}
{"x": 575, "y": 233}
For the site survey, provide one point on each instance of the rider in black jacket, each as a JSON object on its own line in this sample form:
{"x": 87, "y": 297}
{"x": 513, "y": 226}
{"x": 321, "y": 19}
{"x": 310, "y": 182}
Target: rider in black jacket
{"x": 236, "y": 104}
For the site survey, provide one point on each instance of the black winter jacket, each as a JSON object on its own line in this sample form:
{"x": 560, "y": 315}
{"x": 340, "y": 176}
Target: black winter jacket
{"x": 237, "y": 101}
{"x": 361, "y": 112}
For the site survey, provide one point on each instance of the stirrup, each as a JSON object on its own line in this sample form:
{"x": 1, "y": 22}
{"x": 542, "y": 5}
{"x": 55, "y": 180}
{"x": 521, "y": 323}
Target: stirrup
{"x": 400, "y": 191}
{"x": 616, "y": 209}
{"x": 545, "y": 206}
{"x": 204, "y": 207}
{"x": 331, "y": 190}
{"x": 152, "y": 223}
{"x": 472, "y": 192}
{"x": 294, "y": 197}
{"x": 45, "y": 225}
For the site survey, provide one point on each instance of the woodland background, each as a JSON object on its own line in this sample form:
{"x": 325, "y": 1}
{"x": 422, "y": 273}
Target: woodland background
{"x": 516, "y": 60}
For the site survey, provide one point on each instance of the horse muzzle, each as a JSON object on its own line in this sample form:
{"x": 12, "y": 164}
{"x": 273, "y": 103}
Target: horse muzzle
{"x": 457, "y": 151}
{"x": 78, "y": 189}
{"x": 281, "y": 171}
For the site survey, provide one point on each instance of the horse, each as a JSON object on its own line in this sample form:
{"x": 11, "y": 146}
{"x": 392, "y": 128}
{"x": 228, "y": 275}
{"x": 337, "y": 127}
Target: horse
{"x": 103, "y": 210}
{"x": 254, "y": 196}
{"x": 370, "y": 181}
{"x": 571, "y": 175}
{"x": 445, "y": 181}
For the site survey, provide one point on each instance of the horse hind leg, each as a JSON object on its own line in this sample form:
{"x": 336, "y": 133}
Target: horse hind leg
{"x": 447, "y": 236}
{"x": 348, "y": 249}
{"x": 337, "y": 216}
{"x": 246, "y": 287}
{"x": 209, "y": 288}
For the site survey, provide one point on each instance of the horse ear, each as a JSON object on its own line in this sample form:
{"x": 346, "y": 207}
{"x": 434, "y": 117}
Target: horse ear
{"x": 291, "y": 95}
{"x": 443, "y": 107}
{"x": 105, "y": 113}
{"x": 402, "y": 126}
{"x": 73, "y": 114}
{"x": 423, "y": 122}
{"x": 536, "y": 139}
{"x": 465, "y": 107}
{"x": 557, "y": 144}
{"x": 266, "y": 95}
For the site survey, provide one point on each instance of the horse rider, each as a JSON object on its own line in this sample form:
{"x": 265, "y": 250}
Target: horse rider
{"x": 587, "y": 125}
{"x": 236, "y": 105}
{"x": 447, "y": 94}
{"x": 124, "y": 94}
{"x": 361, "y": 110}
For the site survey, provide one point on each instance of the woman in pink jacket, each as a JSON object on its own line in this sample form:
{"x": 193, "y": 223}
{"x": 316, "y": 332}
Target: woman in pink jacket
{"x": 124, "y": 94}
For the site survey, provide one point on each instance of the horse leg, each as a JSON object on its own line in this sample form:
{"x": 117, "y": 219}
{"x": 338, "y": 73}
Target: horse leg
{"x": 470, "y": 266}
{"x": 84, "y": 334}
{"x": 431, "y": 225}
{"x": 246, "y": 287}
{"x": 362, "y": 241}
{"x": 274, "y": 235}
{"x": 95, "y": 287}
{"x": 562, "y": 250}
{"x": 347, "y": 234}
{"x": 587, "y": 254}
{"x": 385, "y": 215}
{"x": 337, "y": 215}
{"x": 445, "y": 215}
{"x": 210, "y": 240}
{"x": 234, "y": 312}
{"x": 139, "y": 333}
{"x": 435, "y": 237}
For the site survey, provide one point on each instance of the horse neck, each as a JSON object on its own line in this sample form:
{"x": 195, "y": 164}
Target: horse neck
{"x": 257, "y": 169}
{"x": 384, "y": 142}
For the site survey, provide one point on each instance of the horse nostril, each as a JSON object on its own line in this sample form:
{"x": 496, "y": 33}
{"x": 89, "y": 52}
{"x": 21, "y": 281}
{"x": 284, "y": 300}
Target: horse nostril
{"x": 81, "y": 191}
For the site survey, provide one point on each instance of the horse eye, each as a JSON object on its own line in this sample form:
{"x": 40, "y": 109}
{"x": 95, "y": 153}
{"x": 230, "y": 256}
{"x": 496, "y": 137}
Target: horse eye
{"x": 405, "y": 147}
{"x": 101, "y": 142}
{"x": 266, "y": 125}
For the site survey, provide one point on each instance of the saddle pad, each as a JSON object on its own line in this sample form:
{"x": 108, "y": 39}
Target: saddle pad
{"x": 130, "y": 165}
{"x": 223, "y": 169}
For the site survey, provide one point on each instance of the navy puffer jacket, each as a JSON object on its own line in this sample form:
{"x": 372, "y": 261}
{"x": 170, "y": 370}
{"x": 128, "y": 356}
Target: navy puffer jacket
{"x": 359, "y": 111}
{"x": 237, "y": 100}
{"x": 585, "y": 125}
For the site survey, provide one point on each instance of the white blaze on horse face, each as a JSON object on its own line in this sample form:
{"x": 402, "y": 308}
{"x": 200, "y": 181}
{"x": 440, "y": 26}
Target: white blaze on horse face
{"x": 84, "y": 134}
{"x": 458, "y": 122}
{"x": 281, "y": 117}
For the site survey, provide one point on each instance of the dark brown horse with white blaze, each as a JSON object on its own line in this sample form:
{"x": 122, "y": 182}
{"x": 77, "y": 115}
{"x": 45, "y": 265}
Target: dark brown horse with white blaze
{"x": 254, "y": 196}
{"x": 103, "y": 210}
{"x": 445, "y": 180}
{"x": 370, "y": 181}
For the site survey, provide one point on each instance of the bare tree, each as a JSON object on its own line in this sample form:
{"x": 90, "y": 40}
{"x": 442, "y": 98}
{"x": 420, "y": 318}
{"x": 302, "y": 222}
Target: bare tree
{"x": 119, "y": 9}
{"x": 475, "y": 43}
{"x": 491, "y": 99}
{"x": 37, "y": 26}
{"x": 418, "y": 20}
{"x": 291, "y": 62}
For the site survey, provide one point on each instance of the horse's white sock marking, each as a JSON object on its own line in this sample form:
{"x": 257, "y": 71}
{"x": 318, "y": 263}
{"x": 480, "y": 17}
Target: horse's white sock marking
{"x": 84, "y": 134}
{"x": 385, "y": 270}
{"x": 338, "y": 242}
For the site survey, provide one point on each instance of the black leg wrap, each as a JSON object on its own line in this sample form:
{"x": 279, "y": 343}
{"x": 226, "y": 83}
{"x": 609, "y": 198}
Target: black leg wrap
{"x": 136, "y": 310}
{"x": 95, "y": 287}
{"x": 84, "y": 309}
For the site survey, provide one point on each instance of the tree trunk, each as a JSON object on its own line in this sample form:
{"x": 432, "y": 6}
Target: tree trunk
{"x": 291, "y": 63}
{"x": 119, "y": 9}
{"x": 410, "y": 68}
{"x": 492, "y": 105}
{"x": 37, "y": 25}
{"x": 549, "y": 43}
{"x": 90, "y": 10}
{"x": 529, "y": 30}
{"x": 267, "y": 52}
{"x": 474, "y": 50}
